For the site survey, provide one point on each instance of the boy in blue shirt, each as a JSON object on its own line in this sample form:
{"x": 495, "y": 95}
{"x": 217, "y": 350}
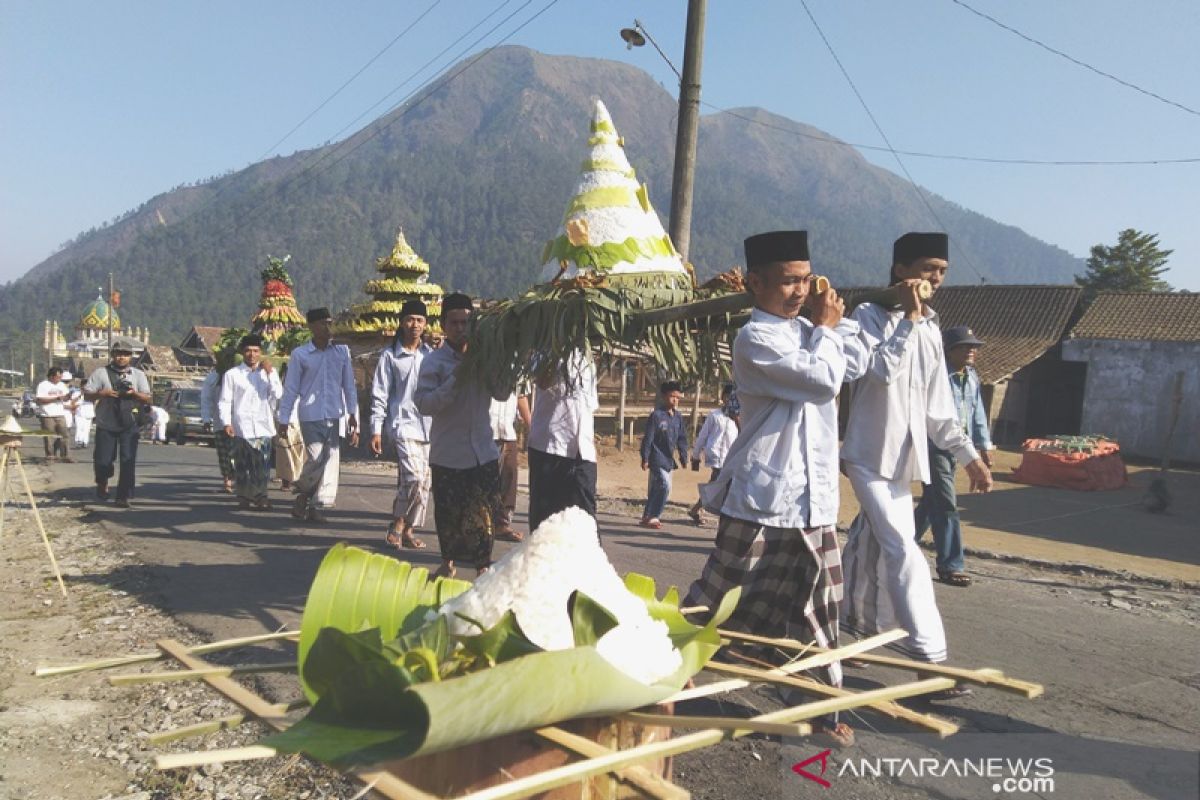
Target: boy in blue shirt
{"x": 665, "y": 435}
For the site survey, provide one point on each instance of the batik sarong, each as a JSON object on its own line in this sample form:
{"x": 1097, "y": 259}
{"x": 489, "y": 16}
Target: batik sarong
{"x": 463, "y": 500}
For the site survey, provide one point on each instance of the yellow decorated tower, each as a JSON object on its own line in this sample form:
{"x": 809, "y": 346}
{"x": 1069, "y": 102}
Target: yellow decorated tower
{"x": 405, "y": 277}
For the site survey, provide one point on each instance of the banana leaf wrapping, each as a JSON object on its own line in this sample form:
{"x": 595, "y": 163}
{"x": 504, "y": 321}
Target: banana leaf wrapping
{"x": 380, "y": 698}
{"x": 659, "y": 315}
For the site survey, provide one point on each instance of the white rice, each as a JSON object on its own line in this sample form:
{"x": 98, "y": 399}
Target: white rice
{"x": 535, "y": 580}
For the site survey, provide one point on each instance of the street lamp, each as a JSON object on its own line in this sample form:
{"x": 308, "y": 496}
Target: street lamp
{"x": 689, "y": 118}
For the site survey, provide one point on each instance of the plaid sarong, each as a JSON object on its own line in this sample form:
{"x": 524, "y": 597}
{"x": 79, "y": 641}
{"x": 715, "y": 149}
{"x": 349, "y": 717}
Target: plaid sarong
{"x": 251, "y": 467}
{"x": 791, "y": 582}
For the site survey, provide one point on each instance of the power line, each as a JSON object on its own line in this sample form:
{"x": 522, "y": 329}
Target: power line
{"x": 1074, "y": 60}
{"x": 350, "y": 80}
{"x": 430, "y": 91}
{"x": 952, "y": 157}
{"x": 883, "y": 135}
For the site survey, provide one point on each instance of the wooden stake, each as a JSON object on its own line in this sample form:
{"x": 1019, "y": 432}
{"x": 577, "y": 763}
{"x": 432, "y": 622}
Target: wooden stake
{"x": 214, "y": 725}
{"x": 720, "y": 723}
{"x": 989, "y": 677}
{"x": 202, "y": 757}
{"x": 139, "y": 658}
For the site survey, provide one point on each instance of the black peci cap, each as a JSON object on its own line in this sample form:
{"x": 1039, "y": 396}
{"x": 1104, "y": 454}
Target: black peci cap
{"x": 767, "y": 248}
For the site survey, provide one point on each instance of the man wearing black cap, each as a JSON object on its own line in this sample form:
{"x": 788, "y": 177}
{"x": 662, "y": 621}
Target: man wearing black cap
{"x": 250, "y": 393}
{"x": 393, "y": 410}
{"x": 320, "y": 390}
{"x": 938, "y": 507}
{"x": 462, "y": 452}
{"x": 902, "y": 400}
{"x": 122, "y": 395}
{"x": 777, "y": 491}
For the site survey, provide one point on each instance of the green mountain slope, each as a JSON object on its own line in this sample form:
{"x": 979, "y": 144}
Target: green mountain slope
{"x": 478, "y": 174}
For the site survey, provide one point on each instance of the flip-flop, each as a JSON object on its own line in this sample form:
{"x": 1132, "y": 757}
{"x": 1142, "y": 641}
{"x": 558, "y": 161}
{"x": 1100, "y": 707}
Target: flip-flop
{"x": 955, "y": 578}
{"x": 838, "y": 737}
{"x": 509, "y": 535}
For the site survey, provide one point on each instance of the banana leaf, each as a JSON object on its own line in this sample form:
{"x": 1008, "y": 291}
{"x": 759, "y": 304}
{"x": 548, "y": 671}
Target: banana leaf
{"x": 374, "y": 706}
{"x": 355, "y": 591}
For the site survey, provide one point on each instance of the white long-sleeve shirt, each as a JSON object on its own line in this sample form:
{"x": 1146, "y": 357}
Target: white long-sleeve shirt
{"x": 562, "y": 423}
{"x": 716, "y": 436}
{"x": 320, "y": 383}
{"x": 903, "y": 398}
{"x": 782, "y": 470}
{"x": 392, "y": 394}
{"x": 248, "y": 401}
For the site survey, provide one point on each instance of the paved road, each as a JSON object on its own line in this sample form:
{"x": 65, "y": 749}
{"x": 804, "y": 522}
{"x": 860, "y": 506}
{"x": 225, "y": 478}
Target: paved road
{"x": 1119, "y": 717}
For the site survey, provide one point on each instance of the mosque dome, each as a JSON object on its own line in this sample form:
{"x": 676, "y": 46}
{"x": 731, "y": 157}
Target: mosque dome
{"x": 95, "y": 316}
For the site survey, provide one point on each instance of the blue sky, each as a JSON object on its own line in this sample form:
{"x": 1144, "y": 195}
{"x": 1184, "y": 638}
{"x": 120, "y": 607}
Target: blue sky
{"x": 105, "y": 104}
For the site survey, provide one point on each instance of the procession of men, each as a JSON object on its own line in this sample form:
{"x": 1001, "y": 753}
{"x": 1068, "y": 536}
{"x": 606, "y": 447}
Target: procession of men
{"x": 772, "y": 446}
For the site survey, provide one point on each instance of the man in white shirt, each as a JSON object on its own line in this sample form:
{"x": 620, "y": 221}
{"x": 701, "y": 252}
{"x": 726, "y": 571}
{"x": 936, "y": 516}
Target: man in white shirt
{"x": 777, "y": 492}
{"x": 393, "y": 410}
{"x": 159, "y": 418}
{"x": 250, "y": 393}
{"x": 50, "y": 397}
{"x": 716, "y": 436}
{"x": 503, "y": 415}
{"x": 903, "y": 398}
{"x": 462, "y": 452}
{"x": 562, "y": 441}
{"x": 319, "y": 390}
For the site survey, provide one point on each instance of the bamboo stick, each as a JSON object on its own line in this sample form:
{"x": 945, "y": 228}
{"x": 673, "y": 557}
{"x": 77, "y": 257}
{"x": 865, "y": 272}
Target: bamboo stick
{"x": 37, "y": 516}
{"x": 385, "y": 783}
{"x": 986, "y": 676}
{"x": 824, "y": 656}
{"x": 139, "y": 658}
{"x": 648, "y": 782}
{"x": 220, "y": 724}
{"x": 723, "y": 304}
{"x": 202, "y": 757}
{"x": 196, "y": 674}
{"x": 3, "y": 487}
{"x": 720, "y": 723}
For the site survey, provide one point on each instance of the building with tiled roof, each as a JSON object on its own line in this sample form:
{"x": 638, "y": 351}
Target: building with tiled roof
{"x": 1141, "y": 353}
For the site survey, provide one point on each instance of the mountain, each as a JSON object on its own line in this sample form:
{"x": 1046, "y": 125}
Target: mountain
{"x": 478, "y": 172}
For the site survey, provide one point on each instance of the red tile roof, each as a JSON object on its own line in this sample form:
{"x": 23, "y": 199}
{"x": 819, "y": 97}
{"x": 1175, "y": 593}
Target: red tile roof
{"x": 1145, "y": 316}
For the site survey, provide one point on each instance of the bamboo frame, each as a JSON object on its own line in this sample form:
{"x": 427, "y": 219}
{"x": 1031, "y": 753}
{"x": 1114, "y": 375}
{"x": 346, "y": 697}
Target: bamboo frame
{"x": 140, "y": 658}
{"x": 385, "y": 783}
{"x": 648, "y": 782}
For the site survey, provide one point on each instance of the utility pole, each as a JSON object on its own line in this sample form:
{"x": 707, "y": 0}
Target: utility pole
{"x": 111, "y": 292}
{"x": 686, "y": 129}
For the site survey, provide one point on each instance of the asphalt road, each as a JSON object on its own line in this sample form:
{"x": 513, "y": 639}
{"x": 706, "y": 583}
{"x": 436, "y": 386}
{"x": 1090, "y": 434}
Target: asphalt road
{"x": 1119, "y": 718}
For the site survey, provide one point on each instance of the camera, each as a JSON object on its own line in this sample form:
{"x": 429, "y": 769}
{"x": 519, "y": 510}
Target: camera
{"x": 123, "y": 386}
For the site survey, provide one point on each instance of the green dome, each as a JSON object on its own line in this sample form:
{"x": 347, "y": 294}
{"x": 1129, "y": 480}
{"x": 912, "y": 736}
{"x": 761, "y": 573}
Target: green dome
{"x": 95, "y": 316}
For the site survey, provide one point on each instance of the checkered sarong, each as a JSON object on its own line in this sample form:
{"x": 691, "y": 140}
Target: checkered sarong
{"x": 412, "y": 482}
{"x": 791, "y": 582}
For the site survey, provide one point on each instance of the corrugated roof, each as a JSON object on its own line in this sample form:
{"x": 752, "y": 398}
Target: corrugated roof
{"x": 1145, "y": 316}
{"x": 1016, "y": 323}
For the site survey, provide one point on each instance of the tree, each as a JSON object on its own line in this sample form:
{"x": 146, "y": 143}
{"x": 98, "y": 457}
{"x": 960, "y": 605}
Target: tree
{"x": 1133, "y": 265}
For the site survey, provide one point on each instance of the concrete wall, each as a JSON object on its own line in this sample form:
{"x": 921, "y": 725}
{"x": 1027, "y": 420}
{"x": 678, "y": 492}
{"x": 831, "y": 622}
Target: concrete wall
{"x": 1128, "y": 394}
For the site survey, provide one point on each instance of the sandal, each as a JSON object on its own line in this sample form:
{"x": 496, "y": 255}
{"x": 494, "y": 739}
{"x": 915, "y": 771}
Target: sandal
{"x": 955, "y": 578}
{"x": 953, "y": 693}
{"x": 446, "y": 570}
{"x": 654, "y": 524}
{"x": 509, "y": 535}
{"x": 697, "y": 515}
{"x": 838, "y": 737}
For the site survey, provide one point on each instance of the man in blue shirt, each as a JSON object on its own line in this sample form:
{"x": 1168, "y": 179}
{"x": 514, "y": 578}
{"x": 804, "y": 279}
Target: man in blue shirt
{"x": 664, "y": 434}
{"x": 938, "y": 507}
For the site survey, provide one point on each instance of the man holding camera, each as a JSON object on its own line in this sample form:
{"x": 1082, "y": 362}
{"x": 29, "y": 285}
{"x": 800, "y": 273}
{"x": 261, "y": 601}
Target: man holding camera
{"x": 122, "y": 395}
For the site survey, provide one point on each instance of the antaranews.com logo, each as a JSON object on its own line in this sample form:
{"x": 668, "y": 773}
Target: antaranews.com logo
{"x": 1008, "y": 775}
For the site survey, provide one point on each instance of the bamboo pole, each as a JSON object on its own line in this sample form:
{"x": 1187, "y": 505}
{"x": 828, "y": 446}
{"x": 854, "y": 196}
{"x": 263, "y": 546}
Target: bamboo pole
{"x": 202, "y": 757}
{"x": 139, "y": 658}
{"x": 715, "y": 306}
{"x": 196, "y": 674}
{"x": 825, "y": 657}
{"x": 3, "y": 487}
{"x": 220, "y": 724}
{"x": 652, "y": 784}
{"x": 620, "y": 407}
{"x": 38, "y": 518}
{"x": 385, "y": 783}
